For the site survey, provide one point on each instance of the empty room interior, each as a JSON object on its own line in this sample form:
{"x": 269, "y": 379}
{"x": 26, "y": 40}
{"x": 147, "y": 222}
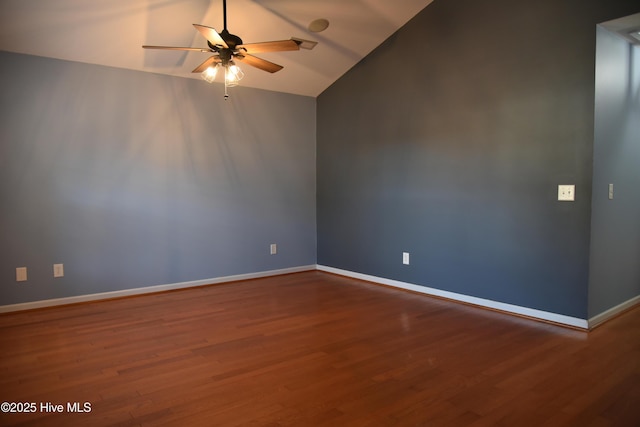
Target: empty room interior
{"x": 320, "y": 213}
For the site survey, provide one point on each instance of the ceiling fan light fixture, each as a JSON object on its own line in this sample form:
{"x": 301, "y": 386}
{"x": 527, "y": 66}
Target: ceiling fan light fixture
{"x": 210, "y": 73}
{"x": 232, "y": 75}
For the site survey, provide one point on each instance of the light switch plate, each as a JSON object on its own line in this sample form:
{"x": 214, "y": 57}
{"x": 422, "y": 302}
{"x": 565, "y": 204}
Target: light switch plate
{"x": 566, "y": 193}
{"x": 58, "y": 270}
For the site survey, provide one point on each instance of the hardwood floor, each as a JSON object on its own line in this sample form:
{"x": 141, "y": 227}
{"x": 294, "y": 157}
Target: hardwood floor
{"x": 313, "y": 349}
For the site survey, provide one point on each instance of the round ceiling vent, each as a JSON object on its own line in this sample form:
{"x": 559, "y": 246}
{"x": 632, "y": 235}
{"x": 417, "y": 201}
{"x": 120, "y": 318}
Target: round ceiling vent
{"x": 318, "y": 25}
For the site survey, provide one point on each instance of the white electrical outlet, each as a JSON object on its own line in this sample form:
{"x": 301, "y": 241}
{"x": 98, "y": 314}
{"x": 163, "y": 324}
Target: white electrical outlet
{"x": 405, "y": 258}
{"x": 21, "y": 274}
{"x": 58, "y": 270}
{"x": 610, "y": 191}
{"x": 273, "y": 249}
{"x": 566, "y": 193}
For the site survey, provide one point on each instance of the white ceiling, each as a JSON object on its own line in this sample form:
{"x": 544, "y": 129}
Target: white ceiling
{"x": 111, "y": 33}
{"x": 625, "y": 27}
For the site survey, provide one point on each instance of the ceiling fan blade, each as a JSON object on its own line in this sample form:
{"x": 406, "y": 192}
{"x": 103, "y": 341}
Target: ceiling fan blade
{"x": 211, "y": 35}
{"x": 206, "y": 64}
{"x": 275, "y": 46}
{"x": 193, "y": 49}
{"x": 259, "y": 63}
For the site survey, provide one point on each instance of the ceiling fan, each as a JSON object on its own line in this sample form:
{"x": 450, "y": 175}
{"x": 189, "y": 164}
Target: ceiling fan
{"x": 227, "y": 48}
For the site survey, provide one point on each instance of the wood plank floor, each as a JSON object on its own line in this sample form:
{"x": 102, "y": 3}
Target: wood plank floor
{"x": 313, "y": 349}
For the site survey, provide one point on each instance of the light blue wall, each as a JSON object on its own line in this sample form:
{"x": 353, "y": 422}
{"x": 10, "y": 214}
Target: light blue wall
{"x": 448, "y": 142}
{"x": 615, "y": 234}
{"x": 133, "y": 179}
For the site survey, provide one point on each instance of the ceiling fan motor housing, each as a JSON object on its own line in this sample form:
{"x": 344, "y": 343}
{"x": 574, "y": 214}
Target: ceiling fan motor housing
{"x": 225, "y": 56}
{"x": 231, "y": 39}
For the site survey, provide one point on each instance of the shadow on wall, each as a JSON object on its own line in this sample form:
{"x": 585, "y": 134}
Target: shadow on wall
{"x": 134, "y": 179}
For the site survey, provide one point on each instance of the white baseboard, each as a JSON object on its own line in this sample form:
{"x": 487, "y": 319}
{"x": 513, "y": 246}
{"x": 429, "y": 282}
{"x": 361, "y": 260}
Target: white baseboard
{"x": 494, "y": 305}
{"x": 508, "y": 308}
{"x": 150, "y": 289}
{"x": 612, "y": 312}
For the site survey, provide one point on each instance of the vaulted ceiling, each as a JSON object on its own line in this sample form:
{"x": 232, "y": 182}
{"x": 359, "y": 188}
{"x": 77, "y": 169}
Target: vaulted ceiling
{"x": 111, "y": 33}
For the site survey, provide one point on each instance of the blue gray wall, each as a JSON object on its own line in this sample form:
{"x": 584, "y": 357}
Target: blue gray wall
{"x": 615, "y": 236}
{"x": 449, "y": 141}
{"x": 133, "y": 179}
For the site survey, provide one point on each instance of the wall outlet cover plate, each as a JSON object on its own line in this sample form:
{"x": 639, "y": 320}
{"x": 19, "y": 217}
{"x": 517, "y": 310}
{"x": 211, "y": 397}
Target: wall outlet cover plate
{"x": 566, "y": 193}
